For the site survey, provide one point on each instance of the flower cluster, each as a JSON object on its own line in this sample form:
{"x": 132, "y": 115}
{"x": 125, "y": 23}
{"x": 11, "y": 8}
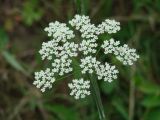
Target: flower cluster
{"x": 80, "y": 88}
{"x": 59, "y": 31}
{"x": 53, "y": 48}
{"x": 88, "y": 33}
{"x": 44, "y": 79}
{"x": 123, "y": 53}
{"x": 107, "y": 72}
{"x": 62, "y": 66}
{"x": 62, "y": 47}
{"x": 109, "y": 26}
{"x": 90, "y": 64}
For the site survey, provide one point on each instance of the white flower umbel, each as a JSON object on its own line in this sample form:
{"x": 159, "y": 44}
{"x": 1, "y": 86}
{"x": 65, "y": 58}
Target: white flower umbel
{"x": 106, "y": 72}
{"x": 88, "y": 33}
{"x": 126, "y": 55}
{"x": 59, "y": 31}
{"x": 110, "y": 46}
{"x": 44, "y": 79}
{"x": 63, "y": 46}
{"x": 89, "y": 64}
{"x": 79, "y": 88}
{"x": 52, "y": 48}
{"x": 109, "y": 26}
{"x": 69, "y": 48}
{"x": 123, "y": 53}
{"x": 49, "y": 49}
{"x": 78, "y": 21}
{"x": 62, "y": 65}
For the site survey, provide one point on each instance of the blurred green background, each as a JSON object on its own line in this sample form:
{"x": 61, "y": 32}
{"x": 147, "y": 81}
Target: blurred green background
{"x": 135, "y": 95}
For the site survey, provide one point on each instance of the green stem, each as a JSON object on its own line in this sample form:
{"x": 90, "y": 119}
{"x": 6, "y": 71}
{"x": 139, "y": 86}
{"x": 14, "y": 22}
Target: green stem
{"x": 81, "y": 6}
{"x": 132, "y": 95}
{"x": 97, "y": 97}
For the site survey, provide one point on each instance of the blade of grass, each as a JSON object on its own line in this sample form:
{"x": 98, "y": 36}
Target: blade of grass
{"x": 3, "y": 39}
{"x": 13, "y": 62}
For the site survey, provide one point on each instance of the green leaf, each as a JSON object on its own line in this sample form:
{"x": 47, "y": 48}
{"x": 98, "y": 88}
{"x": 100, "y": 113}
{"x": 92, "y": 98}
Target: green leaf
{"x": 118, "y": 104}
{"x": 146, "y": 86}
{"x": 62, "y": 112}
{"x": 3, "y": 39}
{"x": 149, "y": 88}
{"x": 13, "y": 62}
{"x": 153, "y": 115}
{"x": 151, "y": 101}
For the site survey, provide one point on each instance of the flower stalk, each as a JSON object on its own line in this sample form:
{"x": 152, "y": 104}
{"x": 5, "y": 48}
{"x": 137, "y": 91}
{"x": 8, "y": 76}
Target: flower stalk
{"x": 97, "y": 98}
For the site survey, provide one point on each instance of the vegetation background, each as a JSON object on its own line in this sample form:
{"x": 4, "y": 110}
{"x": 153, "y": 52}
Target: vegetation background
{"x": 135, "y": 95}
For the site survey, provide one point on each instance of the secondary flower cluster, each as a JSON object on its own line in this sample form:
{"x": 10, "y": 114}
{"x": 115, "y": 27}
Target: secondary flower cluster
{"x": 88, "y": 33}
{"x": 63, "y": 46}
{"x": 44, "y": 79}
{"x": 106, "y": 72}
{"x": 123, "y": 53}
{"x": 80, "y": 88}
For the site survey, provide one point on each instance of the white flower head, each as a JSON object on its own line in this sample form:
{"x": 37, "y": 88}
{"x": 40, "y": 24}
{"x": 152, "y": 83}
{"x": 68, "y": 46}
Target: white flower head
{"x": 44, "y": 79}
{"x": 79, "y": 88}
{"x": 109, "y": 26}
{"x": 123, "y": 53}
{"x": 105, "y": 72}
{"x": 59, "y": 31}
{"x": 63, "y": 47}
